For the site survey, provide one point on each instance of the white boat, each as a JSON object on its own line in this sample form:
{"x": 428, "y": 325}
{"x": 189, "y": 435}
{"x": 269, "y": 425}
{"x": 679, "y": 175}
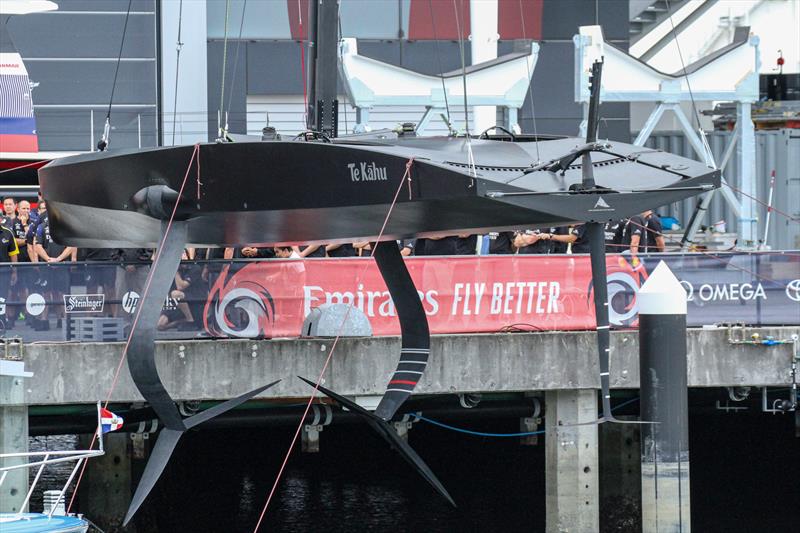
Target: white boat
{"x": 54, "y": 518}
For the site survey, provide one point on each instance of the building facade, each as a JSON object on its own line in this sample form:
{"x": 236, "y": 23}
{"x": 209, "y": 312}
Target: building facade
{"x": 165, "y": 97}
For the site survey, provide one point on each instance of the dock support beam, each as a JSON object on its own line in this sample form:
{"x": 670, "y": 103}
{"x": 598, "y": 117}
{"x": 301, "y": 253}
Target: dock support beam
{"x": 13, "y": 433}
{"x": 620, "y": 477}
{"x": 664, "y": 400}
{"x": 106, "y": 487}
{"x": 571, "y": 470}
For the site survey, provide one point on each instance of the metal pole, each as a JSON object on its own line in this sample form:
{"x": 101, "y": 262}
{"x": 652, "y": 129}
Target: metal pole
{"x": 663, "y": 382}
{"x": 91, "y": 130}
{"x": 746, "y": 154}
{"x": 763, "y": 245}
{"x": 139, "y": 125}
{"x": 483, "y": 44}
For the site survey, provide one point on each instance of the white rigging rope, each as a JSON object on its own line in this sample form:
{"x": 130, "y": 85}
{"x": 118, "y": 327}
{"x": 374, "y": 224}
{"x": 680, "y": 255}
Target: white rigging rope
{"x": 178, "y": 46}
{"x": 220, "y": 130}
{"x": 530, "y": 86}
{"x": 470, "y": 157}
{"x": 236, "y": 61}
{"x": 439, "y": 61}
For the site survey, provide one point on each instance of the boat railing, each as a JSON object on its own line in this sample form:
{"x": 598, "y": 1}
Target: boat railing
{"x": 50, "y": 458}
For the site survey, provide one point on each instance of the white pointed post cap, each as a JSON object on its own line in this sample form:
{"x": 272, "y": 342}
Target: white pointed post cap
{"x": 662, "y": 293}
{"x": 25, "y": 7}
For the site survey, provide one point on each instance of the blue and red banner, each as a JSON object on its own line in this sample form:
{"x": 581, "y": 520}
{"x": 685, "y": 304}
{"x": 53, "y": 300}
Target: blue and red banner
{"x": 17, "y": 123}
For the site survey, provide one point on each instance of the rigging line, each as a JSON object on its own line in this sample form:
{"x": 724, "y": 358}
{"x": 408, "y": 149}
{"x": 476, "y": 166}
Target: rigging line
{"x": 119, "y": 59}
{"x": 530, "y": 85}
{"x": 439, "y": 61}
{"x": 178, "y": 46}
{"x": 43, "y": 162}
{"x": 762, "y": 202}
{"x": 442, "y": 425}
{"x": 683, "y": 65}
{"x": 470, "y": 157}
{"x": 709, "y": 254}
{"x": 236, "y": 61}
{"x": 303, "y": 73}
{"x": 406, "y": 175}
{"x": 224, "y": 64}
{"x": 156, "y": 257}
{"x": 341, "y": 38}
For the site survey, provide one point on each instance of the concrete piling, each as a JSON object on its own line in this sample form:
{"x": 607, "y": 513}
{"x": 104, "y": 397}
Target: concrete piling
{"x": 663, "y": 383}
{"x": 571, "y": 469}
{"x": 106, "y": 488}
{"x": 13, "y": 433}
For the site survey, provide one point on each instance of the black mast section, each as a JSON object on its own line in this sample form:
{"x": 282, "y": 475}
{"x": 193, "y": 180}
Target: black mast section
{"x": 323, "y": 107}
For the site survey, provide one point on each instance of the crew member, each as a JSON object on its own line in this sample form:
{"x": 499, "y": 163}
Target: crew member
{"x": 535, "y": 241}
{"x": 436, "y": 246}
{"x": 54, "y": 279}
{"x": 614, "y": 232}
{"x": 19, "y": 228}
{"x": 576, "y": 237}
{"x": 466, "y": 245}
{"x": 501, "y": 243}
{"x": 643, "y": 233}
{"x": 341, "y": 250}
{"x": 8, "y": 253}
{"x": 9, "y": 212}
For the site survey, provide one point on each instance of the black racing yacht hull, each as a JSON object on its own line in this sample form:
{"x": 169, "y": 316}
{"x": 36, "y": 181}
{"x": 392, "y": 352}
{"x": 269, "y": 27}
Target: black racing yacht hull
{"x": 264, "y": 193}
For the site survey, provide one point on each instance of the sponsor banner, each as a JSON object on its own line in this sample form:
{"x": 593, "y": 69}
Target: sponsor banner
{"x": 465, "y": 294}
{"x": 84, "y": 303}
{"x": 35, "y": 304}
{"x": 500, "y": 293}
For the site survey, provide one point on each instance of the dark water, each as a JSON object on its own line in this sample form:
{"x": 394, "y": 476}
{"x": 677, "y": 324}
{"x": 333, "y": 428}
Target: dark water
{"x": 356, "y": 483}
{"x": 745, "y": 473}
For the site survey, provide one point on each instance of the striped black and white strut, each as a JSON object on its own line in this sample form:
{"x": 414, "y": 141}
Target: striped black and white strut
{"x": 414, "y": 353}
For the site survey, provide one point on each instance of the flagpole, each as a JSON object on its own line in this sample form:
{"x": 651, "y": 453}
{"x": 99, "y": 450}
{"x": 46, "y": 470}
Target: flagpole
{"x": 99, "y": 429}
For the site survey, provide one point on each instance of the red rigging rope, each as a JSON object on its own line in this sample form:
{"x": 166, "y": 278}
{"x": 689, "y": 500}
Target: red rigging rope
{"x": 156, "y": 257}
{"x": 27, "y": 165}
{"x": 765, "y": 204}
{"x": 406, "y": 176}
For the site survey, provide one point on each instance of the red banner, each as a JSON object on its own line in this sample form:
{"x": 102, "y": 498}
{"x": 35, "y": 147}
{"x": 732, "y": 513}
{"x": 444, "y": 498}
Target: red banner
{"x": 459, "y": 294}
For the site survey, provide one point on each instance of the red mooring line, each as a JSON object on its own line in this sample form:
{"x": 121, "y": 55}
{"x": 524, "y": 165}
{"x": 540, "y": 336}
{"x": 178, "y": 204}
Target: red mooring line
{"x": 406, "y": 176}
{"x": 195, "y": 153}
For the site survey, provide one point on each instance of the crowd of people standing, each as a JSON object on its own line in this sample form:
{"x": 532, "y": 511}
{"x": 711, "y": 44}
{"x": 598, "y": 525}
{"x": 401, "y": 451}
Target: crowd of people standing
{"x": 25, "y": 238}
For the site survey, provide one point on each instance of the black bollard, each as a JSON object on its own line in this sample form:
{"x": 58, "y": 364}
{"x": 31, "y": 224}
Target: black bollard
{"x": 662, "y": 369}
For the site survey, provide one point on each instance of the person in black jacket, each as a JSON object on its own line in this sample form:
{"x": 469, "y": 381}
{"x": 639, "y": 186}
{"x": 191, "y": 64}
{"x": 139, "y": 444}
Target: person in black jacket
{"x": 8, "y": 254}
{"x": 643, "y": 233}
{"x": 501, "y": 243}
{"x": 436, "y": 246}
{"x": 54, "y": 279}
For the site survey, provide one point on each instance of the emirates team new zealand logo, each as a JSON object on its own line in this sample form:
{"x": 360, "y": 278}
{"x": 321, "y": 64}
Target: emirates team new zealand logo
{"x": 238, "y": 307}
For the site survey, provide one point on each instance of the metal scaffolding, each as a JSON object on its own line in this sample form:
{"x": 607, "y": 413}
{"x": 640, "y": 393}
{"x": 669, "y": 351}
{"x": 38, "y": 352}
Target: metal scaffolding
{"x": 729, "y": 74}
{"x": 501, "y": 82}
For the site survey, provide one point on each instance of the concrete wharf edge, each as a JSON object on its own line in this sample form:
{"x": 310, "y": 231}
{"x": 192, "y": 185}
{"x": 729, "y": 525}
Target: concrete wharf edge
{"x": 68, "y": 373}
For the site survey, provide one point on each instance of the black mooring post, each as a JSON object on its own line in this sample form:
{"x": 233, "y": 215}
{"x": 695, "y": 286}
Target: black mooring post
{"x": 324, "y": 36}
{"x": 662, "y": 370}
